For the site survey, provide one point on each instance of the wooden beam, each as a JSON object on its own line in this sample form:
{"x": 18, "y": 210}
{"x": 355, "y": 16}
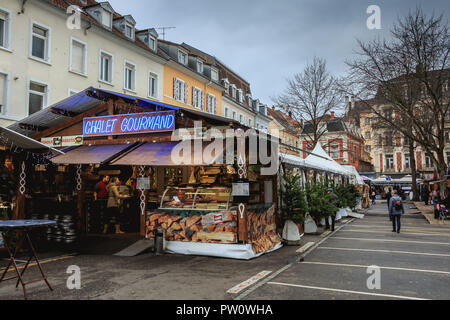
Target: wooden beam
{"x": 71, "y": 121}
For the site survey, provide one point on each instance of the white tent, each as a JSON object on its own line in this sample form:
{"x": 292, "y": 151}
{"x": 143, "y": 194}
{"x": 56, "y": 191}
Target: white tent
{"x": 292, "y": 160}
{"x": 358, "y": 178}
{"x": 324, "y": 162}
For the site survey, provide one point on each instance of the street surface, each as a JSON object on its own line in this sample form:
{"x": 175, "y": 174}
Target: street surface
{"x": 414, "y": 264}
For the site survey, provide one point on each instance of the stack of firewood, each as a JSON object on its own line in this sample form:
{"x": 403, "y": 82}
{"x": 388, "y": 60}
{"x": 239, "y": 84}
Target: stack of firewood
{"x": 217, "y": 227}
{"x": 262, "y": 230}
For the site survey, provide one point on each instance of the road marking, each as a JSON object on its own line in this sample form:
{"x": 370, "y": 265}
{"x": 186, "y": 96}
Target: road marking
{"x": 387, "y": 231}
{"x": 388, "y": 251}
{"x": 305, "y": 247}
{"x": 346, "y": 291}
{"x": 323, "y": 235}
{"x": 361, "y": 266}
{"x": 404, "y": 226}
{"x": 247, "y": 283}
{"x": 281, "y": 270}
{"x": 385, "y": 240}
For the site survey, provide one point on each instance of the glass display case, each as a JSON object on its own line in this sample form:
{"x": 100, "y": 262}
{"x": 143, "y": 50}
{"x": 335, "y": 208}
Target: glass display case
{"x": 196, "y": 198}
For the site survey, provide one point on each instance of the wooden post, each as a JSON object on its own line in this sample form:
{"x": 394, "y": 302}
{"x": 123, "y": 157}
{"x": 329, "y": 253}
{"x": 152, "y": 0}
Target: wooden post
{"x": 242, "y": 223}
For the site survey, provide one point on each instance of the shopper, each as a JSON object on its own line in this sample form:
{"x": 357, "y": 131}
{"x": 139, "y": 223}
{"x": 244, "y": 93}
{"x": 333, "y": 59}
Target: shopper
{"x": 334, "y": 200}
{"x": 425, "y": 194}
{"x": 113, "y": 210}
{"x": 396, "y": 209}
{"x": 101, "y": 191}
{"x": 436, "y": 198}
{"x": 388, "y": 198}
{"x": 373, "y": 196}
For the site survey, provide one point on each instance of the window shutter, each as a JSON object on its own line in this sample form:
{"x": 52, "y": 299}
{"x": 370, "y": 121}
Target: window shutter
{"x": 215, "y": 105}
{"x": 203, "y": 100}
{"x": 208, "y": 103}
{"x": 175, "y": 88}
{"x": 77, "y": 57}
{"x": 185, "y": 93}
{"x": 194, "y": 97}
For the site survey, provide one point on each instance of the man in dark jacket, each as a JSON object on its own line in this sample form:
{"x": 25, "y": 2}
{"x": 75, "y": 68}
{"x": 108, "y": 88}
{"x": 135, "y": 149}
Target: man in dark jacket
{"x": 334, "y": 200}
{"x": 396, "y": 209}
{"x": 388, "y": 198}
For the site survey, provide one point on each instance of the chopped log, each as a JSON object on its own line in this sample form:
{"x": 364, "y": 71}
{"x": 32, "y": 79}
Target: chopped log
{"x": 164, "y": 225}
{"x": 192, "y": 220}
{"x": 176, "y": 226}
{"x": 228, "y": 237}
{"x": 155, "y": 216}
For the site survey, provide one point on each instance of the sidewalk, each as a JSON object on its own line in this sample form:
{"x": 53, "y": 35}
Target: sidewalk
{"x": 428, "y": 213}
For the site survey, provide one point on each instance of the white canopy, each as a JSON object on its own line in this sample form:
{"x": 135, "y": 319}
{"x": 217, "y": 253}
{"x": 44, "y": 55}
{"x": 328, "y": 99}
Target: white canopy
{"x": 319, "y": 159}
{"x": 292, "y": 160}
{"x": 358, "y": 178}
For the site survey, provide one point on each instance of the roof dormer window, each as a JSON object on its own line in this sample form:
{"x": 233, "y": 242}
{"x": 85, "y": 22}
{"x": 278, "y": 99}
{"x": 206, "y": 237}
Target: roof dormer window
{"x": 149, "y": 37}
{"x": 107, "y": 19}
{"x": 214, "y": 75}
{"x": 129, "y": 31}
{"x": 182, "y": 57}
{"x": 103, "y": 13}
{"x": 199, "y": 66}
{"x": 225, "y": 83}
{"x": 152, "y": 43}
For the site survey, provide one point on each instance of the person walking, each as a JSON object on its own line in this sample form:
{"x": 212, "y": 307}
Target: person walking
{"x": 396, "y": 210}
{"x": 436, "y": 198}
{"x": 373, "y": 196}
{"x": 334, "y": 200}
{"x": 388, "y": 198}
{"x": 113, "y": 210}
{"x": 425, "y": 194}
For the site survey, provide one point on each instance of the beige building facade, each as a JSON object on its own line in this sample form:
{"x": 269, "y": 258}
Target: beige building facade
{"x": 42, "y": 61}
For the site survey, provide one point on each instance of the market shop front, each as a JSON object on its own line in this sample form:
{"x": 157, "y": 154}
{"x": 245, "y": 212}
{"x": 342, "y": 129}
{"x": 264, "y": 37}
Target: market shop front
{"x": 218, "y": 201}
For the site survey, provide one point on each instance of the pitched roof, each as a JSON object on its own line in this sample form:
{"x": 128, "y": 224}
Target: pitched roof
{"x": 281, "y": 118}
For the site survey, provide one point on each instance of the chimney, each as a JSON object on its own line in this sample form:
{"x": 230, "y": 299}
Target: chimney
{"x": 290, "y": 114}
{"x": 353, "y": 103}
{"x": 273, "y": 108}
{"x": 301, "y": 122}
{"x": 332, "y": 115}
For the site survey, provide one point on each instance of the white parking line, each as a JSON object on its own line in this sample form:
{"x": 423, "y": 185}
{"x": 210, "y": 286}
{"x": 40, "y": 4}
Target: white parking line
{"x": 323, "y": 235}
{"x": 404, "y": 232}
{"x": 404, "y": 226}
{"x": 305, "y": 247}
{"x": 346, "y": 291}
{"x": 361, "y": 266}
{"x": 241, "y": 286}
{"x": 388, "y": 251}
{"x": 385, "y": 240}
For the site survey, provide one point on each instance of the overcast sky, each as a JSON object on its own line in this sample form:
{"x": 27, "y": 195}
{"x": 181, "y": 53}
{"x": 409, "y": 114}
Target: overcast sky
{"x": 267, "y": 41}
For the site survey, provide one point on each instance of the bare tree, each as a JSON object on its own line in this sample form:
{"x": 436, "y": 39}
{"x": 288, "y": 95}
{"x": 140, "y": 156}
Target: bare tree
{"x": 409, "y": 73}
{"x": 310, "y": 96}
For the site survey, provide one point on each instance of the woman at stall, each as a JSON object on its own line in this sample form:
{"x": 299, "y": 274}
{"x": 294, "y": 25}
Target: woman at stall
{"x": 113, "y": 210}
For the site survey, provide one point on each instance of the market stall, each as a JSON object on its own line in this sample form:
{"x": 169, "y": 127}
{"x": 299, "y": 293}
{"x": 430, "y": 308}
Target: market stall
{"x": 196, "y": 203}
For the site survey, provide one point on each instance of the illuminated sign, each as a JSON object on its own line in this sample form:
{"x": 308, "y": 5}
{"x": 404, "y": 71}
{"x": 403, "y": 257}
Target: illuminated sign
{"x": 129, "y": 124}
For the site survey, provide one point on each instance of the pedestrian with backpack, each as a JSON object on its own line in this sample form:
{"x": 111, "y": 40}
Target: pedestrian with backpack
{"x": 396, "y": 210}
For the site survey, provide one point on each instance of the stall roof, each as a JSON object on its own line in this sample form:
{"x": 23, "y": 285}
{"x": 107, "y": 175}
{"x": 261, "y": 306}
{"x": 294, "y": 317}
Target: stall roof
{"x": 352, "y": 169}
{"x": 88, "y": 99}
{"x": 98, "y": 154}
{"x": 324, "y": 162}
{"x": 292, "y": 160}
{"x": 9, "y": 137}
{"x": 157, "y": 154}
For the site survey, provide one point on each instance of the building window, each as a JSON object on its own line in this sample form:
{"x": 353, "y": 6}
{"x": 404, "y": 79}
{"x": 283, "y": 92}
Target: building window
{"x": 4, "y": 78}
{"x": 428, "y": 161}
{"x": 199, "y": 66}
{"x": 152, "y": 43}
{"x": 250, "y": 123}
{"x": 367, "y": 121}
{"x": 78, "y": 54}
{"x": 180, "y": 90}
{"x": 107, "y": 19}
{"x": 214, "y": 75}
{"x": 368, "y": 149}
{"x": 153, "y": 85}
{"x": 38, "y": 96}
{"x": 106, "y": 67}
{"x": 447, "y": 136}
{"x": 234, "y": 115}
{"x": 389, "y": 162}
{"x": 212, "y": 104}
{"x": 334, "y": 151}
{"x": 5, "y": 26}
{"x": 129, "y": 31}
{"x": 407, "y": 161}
{"x": 226, "y": 112}
{"x": 182, "y": 57}
{"x": 448, "y": 158}
{"x": 197, "y": 98}
{"x": 40, "y": 42}
{"x": 367, "y": 135}
{"x": 130, "y": 76}
{"x": 388, "y": 115}
{"x": 241, "y": 119}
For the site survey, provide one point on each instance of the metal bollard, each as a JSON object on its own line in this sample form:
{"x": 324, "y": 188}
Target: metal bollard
{"x": 160, "y": 238}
